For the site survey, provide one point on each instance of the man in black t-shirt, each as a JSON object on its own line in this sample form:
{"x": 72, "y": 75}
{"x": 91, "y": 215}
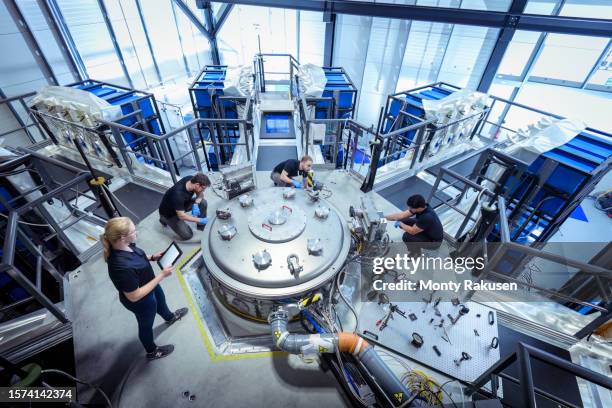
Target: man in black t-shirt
{"x": 421, "y": 225}
{"x": 284, "y": 172}
{"x": 183, "y": 202}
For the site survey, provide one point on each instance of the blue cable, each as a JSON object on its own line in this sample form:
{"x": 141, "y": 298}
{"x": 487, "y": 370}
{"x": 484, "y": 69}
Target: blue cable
{"x": 312, "y": 321}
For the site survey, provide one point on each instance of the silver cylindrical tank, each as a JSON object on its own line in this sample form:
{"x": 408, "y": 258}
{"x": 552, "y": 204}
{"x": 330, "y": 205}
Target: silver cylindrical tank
{"x": 275, "y": 247}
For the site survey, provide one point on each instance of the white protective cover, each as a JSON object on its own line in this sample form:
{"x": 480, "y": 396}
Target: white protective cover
{"x": 439, "y": 108}
{"x": 312, "y": 80}
{"x": 550, "y": 136}
{"x": 77, "y": 102}
{"x": 238, "y": 81}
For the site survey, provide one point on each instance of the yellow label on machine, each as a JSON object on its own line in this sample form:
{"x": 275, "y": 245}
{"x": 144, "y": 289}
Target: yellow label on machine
{"x": 310, "y": 179}
{"x": 399, "y": 396}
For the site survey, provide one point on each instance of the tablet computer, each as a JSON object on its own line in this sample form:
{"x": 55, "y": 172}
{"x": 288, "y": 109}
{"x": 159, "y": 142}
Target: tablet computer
{"x": 170, "y": 256}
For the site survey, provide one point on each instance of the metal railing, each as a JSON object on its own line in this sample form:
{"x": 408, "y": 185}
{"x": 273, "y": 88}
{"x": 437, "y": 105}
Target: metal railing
{"x": 284, "y": 74}
{"x": 17, "y": 229}
{"x": 116, "y": 151}
{"x": 529, "y": 392}
{"x": 342, "y": 143}
{"x": 29, "y": 126}
{"x": 412, "y": 143}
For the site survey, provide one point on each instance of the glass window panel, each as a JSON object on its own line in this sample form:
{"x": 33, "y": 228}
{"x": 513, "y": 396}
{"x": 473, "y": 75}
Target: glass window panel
{"x": 161, "y": 27}
{"x": 275, "y": 28}
{"x": 467, "y": 54}
{"x": 350, "y": 44}
{"x": 424, "y": 54}
{"x": 132, "y": 40}
{"x": 46, "y": 41}
{"x": 568, "y": 57}
{"x": 383, "y": 63}
{"x": 195, "y": 45}
{"x": 545, "y": 7}
{"x": 603, "y": 73}
{"x": 312, "y": 37}
{"x": 517, "y": 55}
{"x": 587, "y": 8}
{"x": 590, "y": 106}
{"x": 92, "y": 39}
{"x": 494, "y": 5}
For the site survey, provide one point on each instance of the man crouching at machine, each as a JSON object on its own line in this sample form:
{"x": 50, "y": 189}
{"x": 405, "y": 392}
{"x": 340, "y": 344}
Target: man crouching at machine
{"x": 284, "y": 172}
{"x": 183, "y": 202}
{"x": 421, "y": 225}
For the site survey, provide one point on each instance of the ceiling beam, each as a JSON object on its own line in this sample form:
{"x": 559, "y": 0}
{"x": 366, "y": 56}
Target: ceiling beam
{"x": 483, "y": 18}
{"x": 192, "y": 17}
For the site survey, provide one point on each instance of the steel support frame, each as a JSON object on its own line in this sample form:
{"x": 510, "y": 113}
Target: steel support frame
{"x": 503, "y": 41}
{"x": 524, "y": 355}
{"x": 222, "y": 17}
{"x": 329, "y": 18}
{"x": 7, "y": 101}
{"x": 209, "y": 33}
{"x": 212, "y": 29}
{"x": 483, "y": 18}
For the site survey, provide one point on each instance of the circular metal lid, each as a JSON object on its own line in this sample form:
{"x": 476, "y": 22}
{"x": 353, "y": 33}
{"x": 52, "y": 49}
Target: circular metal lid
{"x": 254, "y": 262}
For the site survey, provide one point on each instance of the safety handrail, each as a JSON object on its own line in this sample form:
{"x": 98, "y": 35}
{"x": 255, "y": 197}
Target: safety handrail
{"x": 22, "y": 126}
{"x": 524, "y": 356}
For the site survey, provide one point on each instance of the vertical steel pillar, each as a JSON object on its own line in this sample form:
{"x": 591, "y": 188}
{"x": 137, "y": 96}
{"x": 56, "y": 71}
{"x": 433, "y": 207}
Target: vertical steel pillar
{"x": 329, "y": 18}
{"x": 503, "y": 41}
{"x": 210, "y": 22}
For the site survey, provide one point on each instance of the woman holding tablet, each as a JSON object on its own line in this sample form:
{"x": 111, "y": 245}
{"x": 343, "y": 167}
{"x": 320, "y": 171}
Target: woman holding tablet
{"x": 139, "y": 291}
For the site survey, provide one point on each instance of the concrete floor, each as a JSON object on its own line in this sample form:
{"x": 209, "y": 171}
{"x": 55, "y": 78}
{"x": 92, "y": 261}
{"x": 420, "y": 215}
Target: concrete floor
{"x": 109, "y": 354}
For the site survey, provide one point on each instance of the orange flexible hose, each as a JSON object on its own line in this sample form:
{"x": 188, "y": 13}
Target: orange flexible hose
{"x": 347, "y": 342}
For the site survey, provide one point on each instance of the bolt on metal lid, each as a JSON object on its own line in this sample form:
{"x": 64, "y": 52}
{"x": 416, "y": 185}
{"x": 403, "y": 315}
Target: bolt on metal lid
{"x": 322, "y": 212}
{"x": 289, "y": 193}
{"x": 245, "y": 200}
{"x": 278, "y": 217}
{"x": 227, "y": 231}
{"x": 262, "y": 259}
{"x": 314, "y": 246}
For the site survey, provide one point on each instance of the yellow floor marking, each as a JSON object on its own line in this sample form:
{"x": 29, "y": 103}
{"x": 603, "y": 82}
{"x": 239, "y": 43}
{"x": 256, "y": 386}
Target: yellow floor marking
{"x": 203, "y": 332}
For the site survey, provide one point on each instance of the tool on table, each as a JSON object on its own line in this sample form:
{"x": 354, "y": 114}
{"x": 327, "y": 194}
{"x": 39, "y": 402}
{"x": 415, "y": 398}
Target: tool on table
{"x": 417, "y": 340}
{"x": 435, "y": 348}
{"x": 393, "y": 308}
{"x": 464, "y": 357}
{"x": 462, "y": 311}
{"x": 494, "y": 343}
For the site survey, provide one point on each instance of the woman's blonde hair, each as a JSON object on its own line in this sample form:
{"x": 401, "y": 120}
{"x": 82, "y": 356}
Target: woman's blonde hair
{"x": 115, "y": 229}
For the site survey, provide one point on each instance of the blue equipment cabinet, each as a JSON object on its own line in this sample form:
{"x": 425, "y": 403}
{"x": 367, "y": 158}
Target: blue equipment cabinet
{"x": 339, "y": 96}
{"x": 557, "y": 181}
{"x": 130, "y": 100}
{"x": 209, "y": 102}
{"x": 411, "y": 102}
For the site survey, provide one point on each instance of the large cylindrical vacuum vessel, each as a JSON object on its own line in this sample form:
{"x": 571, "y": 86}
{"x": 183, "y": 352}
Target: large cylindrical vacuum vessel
{"x": 273, "y": 245}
